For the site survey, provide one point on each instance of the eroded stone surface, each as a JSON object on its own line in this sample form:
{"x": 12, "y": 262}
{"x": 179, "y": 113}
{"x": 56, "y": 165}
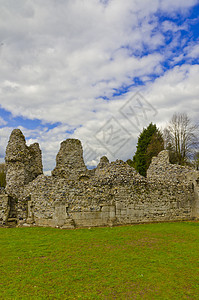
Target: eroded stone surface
{"x": 69, "y": 160}
{"x": 161, "y": 170}
{"x": 23, "y": 163}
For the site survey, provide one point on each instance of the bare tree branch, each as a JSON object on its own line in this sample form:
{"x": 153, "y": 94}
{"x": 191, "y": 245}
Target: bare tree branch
{"x": 181, "y": 138}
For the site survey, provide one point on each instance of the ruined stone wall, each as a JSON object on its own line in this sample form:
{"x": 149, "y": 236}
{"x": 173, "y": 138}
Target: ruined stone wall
{"x": 115, "y": 195}
{"x": 23, "y": 163}
{"x": 69, "y": 160}
{"x": 161, "y": 170}
{"x": 112, "y": 194}
{"x": 153, "y": 202}
{"x": 4, "y": 208}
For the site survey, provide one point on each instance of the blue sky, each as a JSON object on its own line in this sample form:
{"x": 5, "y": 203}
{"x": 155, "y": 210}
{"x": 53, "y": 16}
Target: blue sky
{"x": 69, "y": 67}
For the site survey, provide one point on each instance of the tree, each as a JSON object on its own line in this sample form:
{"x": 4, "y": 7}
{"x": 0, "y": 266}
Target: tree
{"x": 181, "y": 138}
{"x": 2, "y": 175}
{"x": 150, "y": 143}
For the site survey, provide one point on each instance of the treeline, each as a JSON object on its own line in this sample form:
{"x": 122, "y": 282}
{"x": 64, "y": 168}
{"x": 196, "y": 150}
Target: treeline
{"x": 180, "y": 137}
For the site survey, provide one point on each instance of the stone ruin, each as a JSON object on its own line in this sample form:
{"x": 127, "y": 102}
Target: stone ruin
{"x": 111, "y": 194}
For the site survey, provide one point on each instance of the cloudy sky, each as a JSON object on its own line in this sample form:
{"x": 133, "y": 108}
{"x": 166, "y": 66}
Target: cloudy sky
{"x": 97, "y": 70}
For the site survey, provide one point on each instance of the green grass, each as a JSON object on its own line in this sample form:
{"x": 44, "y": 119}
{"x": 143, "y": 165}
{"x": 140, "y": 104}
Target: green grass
{"x": 151, "y": 261}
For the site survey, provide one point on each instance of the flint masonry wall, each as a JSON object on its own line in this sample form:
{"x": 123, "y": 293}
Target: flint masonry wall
{"x": 4, "y": 208}
{"x": 112, "y": 194}
{"x": 23, "y": 163}
{"x": 69, "y": 160}
{"x": 160, "y": 170}
{"x": 115, "y": 195}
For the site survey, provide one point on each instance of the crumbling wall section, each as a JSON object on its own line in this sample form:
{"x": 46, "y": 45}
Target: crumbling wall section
{"x": 69, "y": 161}
{"x": 4, "y": 209}
{"x": 161, "y": 169}
{"x": 23, "y": 163}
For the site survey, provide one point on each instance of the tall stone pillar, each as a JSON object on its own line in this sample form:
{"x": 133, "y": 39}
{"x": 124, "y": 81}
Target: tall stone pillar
{"x": 69, "y": 161}
{"x": 23, "y": 164}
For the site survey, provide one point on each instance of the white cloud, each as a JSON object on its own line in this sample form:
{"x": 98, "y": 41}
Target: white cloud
{"x": 171, "y": 6}
{"x": 192, "y": 51}
{"x": 2, "y": 121}
{"x": 168, "y": 25}
{"x": 60, "y": 58}
{"x": 176, "y": 91}
{"x": 57, "y": 61}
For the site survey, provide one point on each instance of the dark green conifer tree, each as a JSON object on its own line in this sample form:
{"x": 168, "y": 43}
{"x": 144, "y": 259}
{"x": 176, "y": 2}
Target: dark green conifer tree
{"x": 150, "y": 143}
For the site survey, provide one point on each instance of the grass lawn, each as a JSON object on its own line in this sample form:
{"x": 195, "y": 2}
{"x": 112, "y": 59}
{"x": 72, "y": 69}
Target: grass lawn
{"x": 151, "y": 261}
